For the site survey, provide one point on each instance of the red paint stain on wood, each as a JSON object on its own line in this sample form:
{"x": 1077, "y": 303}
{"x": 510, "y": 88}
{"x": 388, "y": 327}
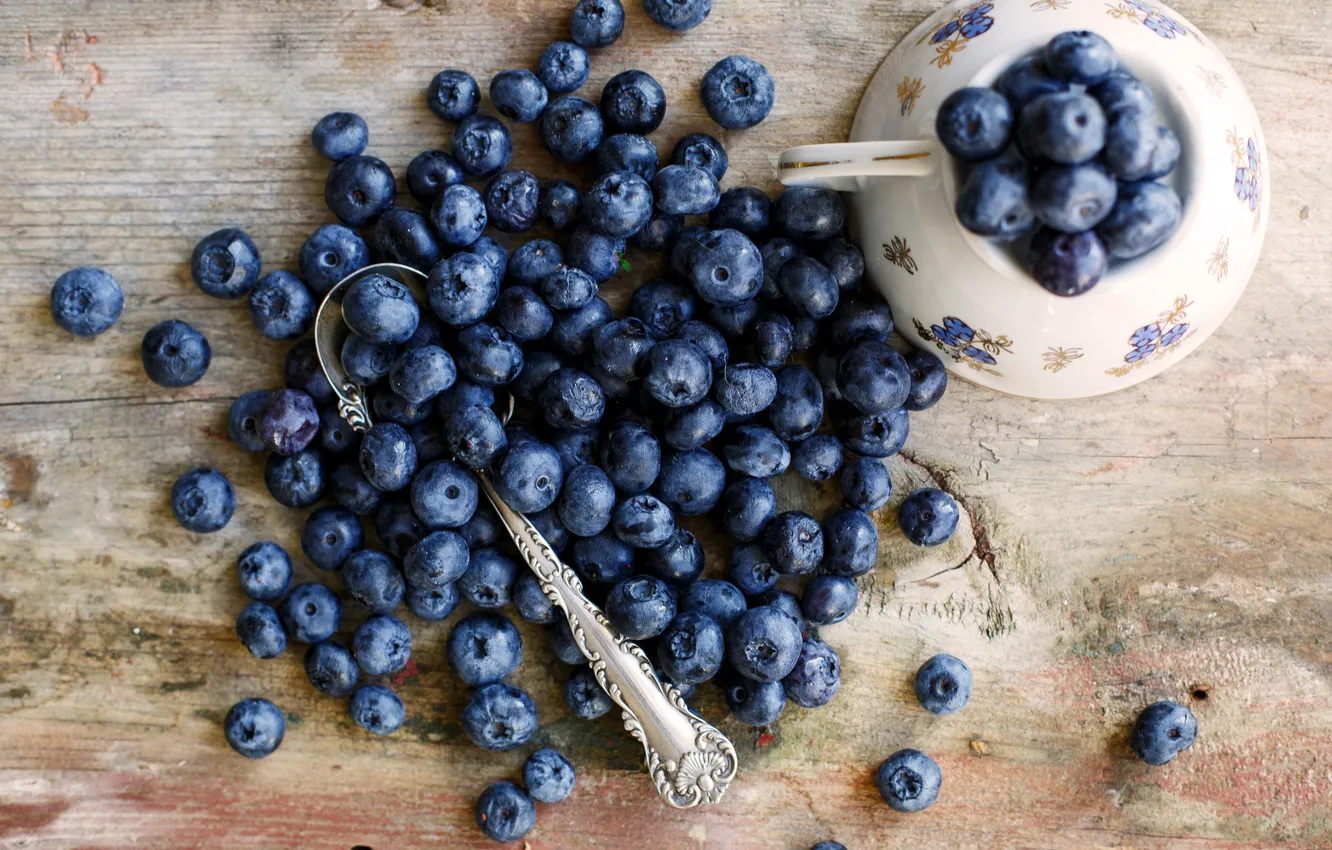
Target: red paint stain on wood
{"x": 213, "y": 434}
{"x": 407, "y": 672}
{"x": 765, "y": 738}
{"x": 1112, "y": 466}
{"x": 17, "y": 819}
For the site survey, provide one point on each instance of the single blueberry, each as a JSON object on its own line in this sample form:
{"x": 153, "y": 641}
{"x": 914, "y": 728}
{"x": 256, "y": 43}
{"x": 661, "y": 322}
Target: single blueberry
{"x": 828, "y": 599}
{"x": 431, "y": 172}
{"x": 1067, "y": 264}
{"x": 943, "y": 684}
{"x": 475, "y": 435}
{"x": 633, "y": 102}
{"x": 585, "y": 696}
{"x": 488, "y": 355}
{"x": 571, "y": 399}
{"x": 329, "y": 536}
{"x": 660, "y": 233}
{"x": 444, "y": 495}
{"x": 254, "y": 727}
{"x": 993, "y": 200}
{"x": 576, "y": 446}
{"x": 679, "y": 561}
{"x": 1080, "y": 57}
{"x": 627, "y": 152}
{"x": 725, "y": 267}
{"x": 533, "y": 261}
{"x": 748, "y": 505}
{"x": 755, "y": 703}
{"x": 643, "y": 521}
{"x": 358, "y": 189}
{"x": 203, "y": 500}
{"x": 290, "y": 422}
{"x": 331, "y": 253}
{"x": 531, "y": 602}
{"x": 1025, "y": 80}
{"x": 678, "y": 373}
{"x": 587, "y": 501}
{"x": 559, "y": 203}
{"x": 804, "y": 333}
{"x": 453, "y": 95}
{"x": 817, "y": 674}
{"x": 808, "y": 286}
{"x": 499, "y": 717}
{"x": 908, "y": 781}
{"x": 794, "y": 542}
{"x": 1161, "y": 731}
{"x": 376, "y": 709}
{"x": 243, "y": 420}
{"x": 484, "y": 648}
{"x": 432, "y": 603}
{"x": 1072, "y": 198}
{"x": 511, "y": 200}
{"x": 352, "y": 490}
{"x": 743, "y": 208}
{"x": 735, "y": 321}
{"x": 701, "y": 151}
{"x": 1122, "y": 92}
{"x": 640, "y": 607}
{"x": 1067, "y": 128}
{"x": 310, "y": 613}
{"x": 86, "y": 301}
{"x": 631, "y": 456}
{"x": 596, "y": 23}
{"x": 331, "y": 669}
{"x": 686, "y": 190}
{"x": 691, "y": 482}
{"x": 737, "y": 92}
{"x": 1143, "y": 219}
{"x": 264, "y": 571}
{"x": 488, "y": 580}
{"x": 928, "y": 516}
{"x": 1130, "y": 142}
{"x": 398, "y": 527}
{"x": 817, "y": 458}
{"x": 763, "y": 644}
{"x": 225, "y": 264}
{"x": 374, "y": 580}
{"x": 663, "y": 305}
{"x": 690, "y": 427}
{"x": 482, "y": 145}
{"x": 504, "y": 812}
{"x": 851, "y": 543}
{"x": 709, "y": 340}
{"x": 388, "y": 456}
{"x": 571, "y": 127}
{"x": 595, "y": 253}
{"x": 422, "y": 374}
{"x": 529, "y": 477}
{"x": 521, "y": 312}
{"x": 296, "y": 481}
{"x": 873, "y": 377}
{"x": 619, "y": 204}
{"x": 720, "y": 600}
{"x": 458, "y": 216}
{"x": 1165, "y": 156}
{"x": 568, "y": 288}
{"x": 483, "y": 529}
{"x": 518, "y": 95}
{"x": 974, "y": 123}
{"x": 382, "y": 645}
{"x": 622, "y": 348}
{"x": 388, "y": 406}
{"x": 405, "y": 237}
{"x": 692, "y": 648}
{"x": 462, "y": 289}
{"x": 436, "y": 560}
{"x": 751, "y": 569}
{"x": 175, "y": 354}
{"x": 677, "y": 15}
{"x": 797, "y": 409}
{"x": 281, "y": 307}
{"x": 379, "y": 309}
{"x": 260, "y": 631}
{"x": 549, "y": 776}
{"x": 339, "y": 135}
{"x": 366, "y": 362}
{"x": 865, "y": 483}
{"x": 861, "y": 318}
{"x": 877, "y": 435}
{"x": 785, "y": 602}
{"x": 805, "y": 213}
{"x": 756, "y": 451}
{"x": 602, "y": 560}
{"x": 563, "y": 67}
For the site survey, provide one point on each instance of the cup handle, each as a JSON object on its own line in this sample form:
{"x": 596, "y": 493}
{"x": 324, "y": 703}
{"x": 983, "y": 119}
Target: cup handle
{"x": 839, "y": 166}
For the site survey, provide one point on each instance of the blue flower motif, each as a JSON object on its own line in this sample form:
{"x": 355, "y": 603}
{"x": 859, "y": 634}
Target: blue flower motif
{"x": 945, "y": 32}
{"x": 978, "y": 354}
{"x": 958, "y": 329}
{"x": 1253, "y": 155}
{"x": 1139, "y": 353}
{"x": 1253, "y": 197}
{"x": 1141, "y": 7}
{"x": 1145, "y": 335}
{"x": 944, "y": 336}
{"x": 1174, "y": 335}
{"x": 1163, "y": 26}
{"x": 977, "y": 12}
{"x": 976, "y": 26}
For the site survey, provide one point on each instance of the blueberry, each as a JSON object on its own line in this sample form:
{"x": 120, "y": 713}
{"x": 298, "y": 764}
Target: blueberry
{"x": 432, "y": 603}
{"x": 585, "y": 696}
{"x": 462, "y": 289}
{"x": 376, "y": 709}
{"x": 643, "y": 521}
{"x": 763, "y": 644}
{"x": 602, "y": 559}
{"x": 678, "y": 373}
{"x": 296, "y": 481}
{"x": 1161, "y": 731}
{"x": 1025, "y": 80}
{"x": 373, "y": 579}
{"x": 816, "y": 676}
{"x": 690, "y": 427}
{"x": 627, "y": 152}
{"x": 549, "y": 776}
{"x": 735, "y": 321}
{"x": 1067, "y": 128}
{"x": 908, "y": 781}
{"x": 380, "y": 310}
{"x": 571, "y": 399}
{"x": 398, "y": 527}
{"x": 993, "y": 200}
{"x": 453, "y": 95}
{"x": 1144, "y": 217}
{"x": 438, "y": 559}
{"x": 595, "y": 253}
{"x": 225, "y": 264}
{"x": 928, "y": 516}
{"x": 691, "y": 482}
{"x": 776, "y": 252}
{"x": 817, "y": 458}
{"x": 709, "y": 340}
{"x": 558, "y": 203}
{"x": 804, "y": 333}
{"x": 422, "y": 374}
{"x": 202, "y": 500}
{"x": 737, "y": 92}
{"x": 743, "y": 208}
{"x": 547, "y": 524}
{"x": 725, "y": 267}
{"x": 259, "y": 630}
{"x": 518, "y": 95}
{"x": 405, "y": 237}
{"x": 929, "y": 379}
{"x": 358, "y": 189}
{"x": 289, "y": 423}
{"x": 499, "y": 717}
{"x": 619, "y": 204}
{"x": 804, "y": 213}
{"x": 254, "y": 727}
{"x": 686, "y": 190}
{"x": 331, "y": 253}
{"x": 431, "y": 172}
{"x": 750, "y": 568}
{"x": 640, "y": 607}
{"x": 660, "y": 233}
{"x": 720, "y": 600}
{"x": 797, "y": 408}
{"x": 388, "y": 406}
{"x": 243, "y": 420}
{"x": 757, "y": 452}
{"x": 281, "y": 306}
{"x": 692, "y": 648}
{"x": 329, "y": 536}
{"x": 851, "y": 543}
{"x": 828, "y": 599}
{"x": 663, "y": 305}
{"x": 388, "y": 456}
{"x": 622, "y": 348}
{"x": 538, "y": 365}
{"x": 783, "y": 601}
{"x": 631, "y": 456}
{"x": 364, "y": 361}
{"x": 573, "y": 329}
{"x": 458, "y": 216}
{"x": 861, "y": 318}
{"x": 682, "y": 253}
{"x": 481, "y": 145}
{"x": 310, "y": 613}
{"x": 339, "y": 135}
{"x": 794, "y": 543}
{"x": 1080, "y": 57}
{"x": 679, "y": 561}
{"x": 829, "y": 845}
{"x": 873, "y": 377}
{"x": 483, "y": 529}
{"x": 533, "y": 261}
{"x": 331, "y": 669}
{"x": 444, "y": 495}
{"x": 755, "y": 703}
{"x": 382, "y": 645}
{"x": 974, "y": 123}
{"x": 571, "y": 127}
{"x": 529, "y": 477}
{"x": 562, "y": 68}
{"x": 701, "y": 151}
{"x": 1067, "y": 264}
{"x": 597, "y": 23}
{"x": 488, "y": 580}
{"x": 943, "y": 684}
{"x": 531, "y": 602}
{"x": 748, "y": 505}
{"x": 175, "y": 354}
{"x": 522, "y": 313}
{"x": 1072, "y": 198}
{"x": 429, "y": 440}
{"x": 353, "y": 490}
{"x": 1130, "y": 142}
{"x": 264, "y": 571}
{"x": 504, "y": 812}
{"x": 484, "y": 648}
{"x": 1165, "y": 156}
{"x": 86, "y": 301}
{"x": 576, "y": 446}
{"x": 865, "y": 483}
{"x": 1122, "y": 92}
{"x": 488, "y": 355}
{"x": 633, "y": 102}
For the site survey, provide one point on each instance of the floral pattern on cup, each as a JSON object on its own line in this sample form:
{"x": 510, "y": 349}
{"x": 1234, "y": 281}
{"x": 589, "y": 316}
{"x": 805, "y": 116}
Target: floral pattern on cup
{"x": 1153, "y": 341}
{"x": 1150, "y": 16}
{"x": 952, "y": 35}
{"x": 908, "y": 92}
{"x": 1248, "y": 169}
{"x": 976, "y": 348}
{"x": 1050, "y": 5}
{"x": 1057, "y": 359}
{"x": 1218, "y": 264}
{"x": 898, "y": 253}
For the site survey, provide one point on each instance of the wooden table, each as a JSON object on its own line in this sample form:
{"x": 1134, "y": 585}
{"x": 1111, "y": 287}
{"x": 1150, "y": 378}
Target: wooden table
{"x": 1171, "y": 541}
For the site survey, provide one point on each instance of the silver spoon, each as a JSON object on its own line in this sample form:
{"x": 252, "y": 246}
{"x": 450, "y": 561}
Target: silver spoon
{"x": 690, "y": 761}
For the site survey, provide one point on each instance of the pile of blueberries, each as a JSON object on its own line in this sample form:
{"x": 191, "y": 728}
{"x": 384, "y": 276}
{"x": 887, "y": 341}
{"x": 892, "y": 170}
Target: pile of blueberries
{"x": 1089, "y": 158}
{"x": 628, "y": 428}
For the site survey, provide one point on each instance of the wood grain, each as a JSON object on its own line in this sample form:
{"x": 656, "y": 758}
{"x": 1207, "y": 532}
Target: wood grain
{"x": 1170, "y": 541}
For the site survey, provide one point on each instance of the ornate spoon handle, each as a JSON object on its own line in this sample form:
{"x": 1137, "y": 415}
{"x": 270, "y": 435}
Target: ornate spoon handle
{"x": 690, "y": 761}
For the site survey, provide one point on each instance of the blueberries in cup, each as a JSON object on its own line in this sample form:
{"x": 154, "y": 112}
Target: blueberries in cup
{"x": 975, "y": 123}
